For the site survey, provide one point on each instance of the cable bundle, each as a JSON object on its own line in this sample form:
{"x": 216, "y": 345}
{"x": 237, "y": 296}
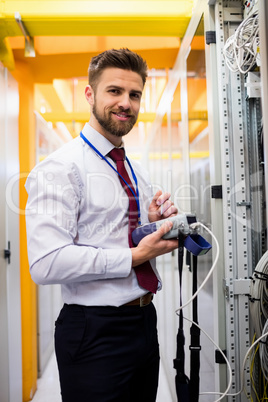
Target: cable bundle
{"x": 259, "y": 318}
{"x": 264, "y": 352}
{"x": 241, "y": 49}
{"x": 259, "y": 295}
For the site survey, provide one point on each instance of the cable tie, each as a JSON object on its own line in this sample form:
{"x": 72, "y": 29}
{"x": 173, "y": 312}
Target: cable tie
{"x": 253, "y": 299}
{"x": 261, "y": 273}
{"x": 262, "y": 279}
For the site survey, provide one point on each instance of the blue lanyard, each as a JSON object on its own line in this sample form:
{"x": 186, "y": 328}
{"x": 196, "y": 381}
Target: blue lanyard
{"x": 136, "y": 195}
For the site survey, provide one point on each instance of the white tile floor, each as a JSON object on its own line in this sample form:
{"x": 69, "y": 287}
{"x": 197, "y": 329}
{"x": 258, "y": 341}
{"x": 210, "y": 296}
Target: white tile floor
{"x": 48, "y": 389}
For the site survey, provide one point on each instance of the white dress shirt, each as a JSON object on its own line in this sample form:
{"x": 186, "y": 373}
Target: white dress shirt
{"x": 77, "y": 224}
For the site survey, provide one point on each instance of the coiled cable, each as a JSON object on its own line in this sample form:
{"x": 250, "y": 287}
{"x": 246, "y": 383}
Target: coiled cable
{"x": 241, "y": 49}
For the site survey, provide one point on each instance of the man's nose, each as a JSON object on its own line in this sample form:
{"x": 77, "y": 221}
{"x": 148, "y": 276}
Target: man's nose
{"x": 124, "y": 101}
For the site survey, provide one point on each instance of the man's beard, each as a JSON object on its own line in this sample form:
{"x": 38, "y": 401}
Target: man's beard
{"x": 117, "y": 128}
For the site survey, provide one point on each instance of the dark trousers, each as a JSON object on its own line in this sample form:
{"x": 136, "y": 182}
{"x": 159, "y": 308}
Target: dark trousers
{"x": 107, "y": 353}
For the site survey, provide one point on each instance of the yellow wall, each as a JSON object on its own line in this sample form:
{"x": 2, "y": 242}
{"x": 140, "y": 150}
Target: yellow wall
{"x": 28, "y": 289}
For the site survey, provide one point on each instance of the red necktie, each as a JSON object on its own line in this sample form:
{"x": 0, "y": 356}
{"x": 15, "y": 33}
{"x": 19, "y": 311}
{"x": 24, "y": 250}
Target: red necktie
{"x": 144, "y": 272}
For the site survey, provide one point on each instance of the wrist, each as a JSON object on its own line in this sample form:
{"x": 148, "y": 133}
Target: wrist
{"x": 138, "y": 256}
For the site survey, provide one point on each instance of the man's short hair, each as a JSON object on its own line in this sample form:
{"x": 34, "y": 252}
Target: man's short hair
{"x": 116, "y": 58}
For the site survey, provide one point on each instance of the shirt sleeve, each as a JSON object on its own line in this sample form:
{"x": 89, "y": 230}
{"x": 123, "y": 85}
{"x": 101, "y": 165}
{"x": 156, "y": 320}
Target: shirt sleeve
{"x": 54, "y": 197}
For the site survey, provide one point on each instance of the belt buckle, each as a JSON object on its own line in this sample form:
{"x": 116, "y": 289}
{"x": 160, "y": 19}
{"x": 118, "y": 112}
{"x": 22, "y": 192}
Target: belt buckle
{"x": 142, "y": 303}
{"x": 142, "y": 300}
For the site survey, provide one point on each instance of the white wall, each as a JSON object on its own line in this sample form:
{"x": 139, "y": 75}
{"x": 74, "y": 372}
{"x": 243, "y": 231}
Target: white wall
{"x": 10, "y": 303}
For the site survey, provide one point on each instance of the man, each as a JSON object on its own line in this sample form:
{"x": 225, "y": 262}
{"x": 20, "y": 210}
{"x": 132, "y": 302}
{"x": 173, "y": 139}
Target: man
{"x": 83, "y": 205}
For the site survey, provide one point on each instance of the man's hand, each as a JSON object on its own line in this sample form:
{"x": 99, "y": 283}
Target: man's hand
{"x": 161, "y": 207}
{"x": 153, "y": 245}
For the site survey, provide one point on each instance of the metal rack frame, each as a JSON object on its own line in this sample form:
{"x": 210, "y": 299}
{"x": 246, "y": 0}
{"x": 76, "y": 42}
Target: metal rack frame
{"x": 236, "y": 241}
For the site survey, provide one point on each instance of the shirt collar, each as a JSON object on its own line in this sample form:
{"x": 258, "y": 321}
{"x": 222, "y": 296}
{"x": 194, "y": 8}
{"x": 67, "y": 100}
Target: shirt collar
{"x": 103, "y": 145}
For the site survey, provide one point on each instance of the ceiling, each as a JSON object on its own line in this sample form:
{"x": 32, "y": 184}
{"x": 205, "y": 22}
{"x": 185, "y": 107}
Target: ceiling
{"x": 65, "y": 28}
{"x": 66, "y": 34}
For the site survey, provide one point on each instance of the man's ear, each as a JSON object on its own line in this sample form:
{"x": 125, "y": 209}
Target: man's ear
{"x": 89, "y": 94}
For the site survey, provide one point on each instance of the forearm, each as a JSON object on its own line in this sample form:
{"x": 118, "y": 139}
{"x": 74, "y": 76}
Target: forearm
{"x": 74, "y": 263}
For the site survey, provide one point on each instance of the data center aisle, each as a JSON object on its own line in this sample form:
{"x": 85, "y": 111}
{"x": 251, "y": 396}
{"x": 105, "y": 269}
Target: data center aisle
{"x": 49, "y": 389}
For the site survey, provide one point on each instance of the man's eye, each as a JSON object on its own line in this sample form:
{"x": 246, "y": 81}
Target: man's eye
{"x": 114, "y": 91}
{"x": 135, "y": 96}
